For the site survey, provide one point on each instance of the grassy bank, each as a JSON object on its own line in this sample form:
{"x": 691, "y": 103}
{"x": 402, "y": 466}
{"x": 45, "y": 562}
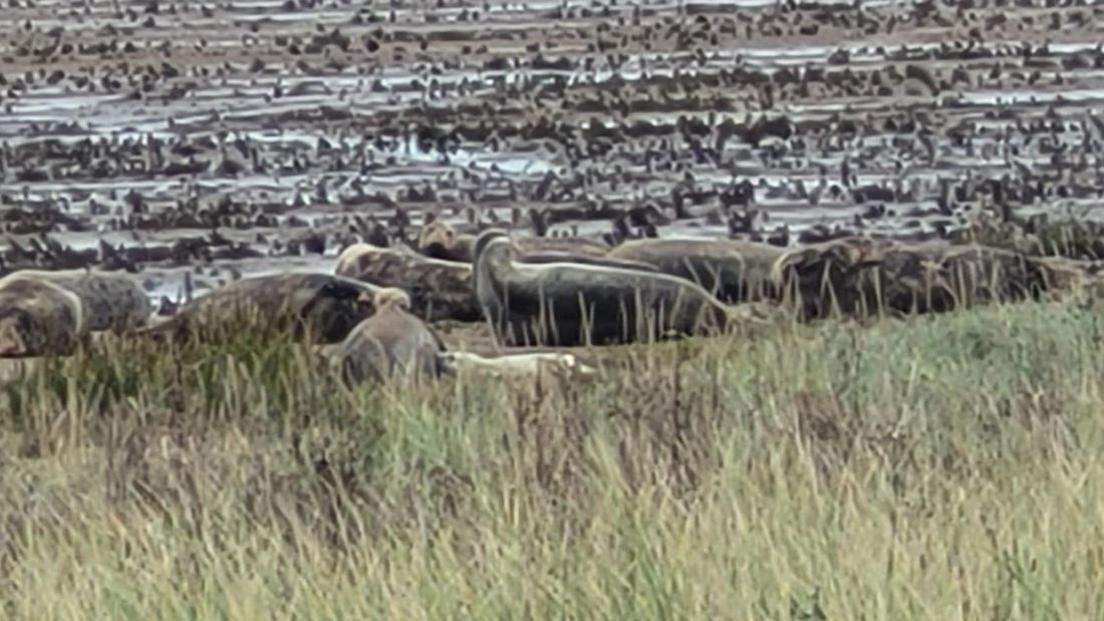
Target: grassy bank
{"x": 945, "y": 468}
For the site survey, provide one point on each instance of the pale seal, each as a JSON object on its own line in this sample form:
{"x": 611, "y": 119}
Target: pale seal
{"x": 564, "y": 304}
{"x": 391, "y": 342}
{"x": 440, "y": 240}
{"x": 440, "y": 289}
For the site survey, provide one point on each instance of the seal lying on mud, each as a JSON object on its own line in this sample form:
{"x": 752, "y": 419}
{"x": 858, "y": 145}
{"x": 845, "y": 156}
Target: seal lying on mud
{"x": 438, "y": 289}
{"x": 862, "y": 277}
{"x": 821, "y": 280}
{"x": 734, "y": 271}
{"x": 935, "y": 278}
{"x": 320, "y": 307}
{"x": 572, "y": 304}
{"x": 390, "y": 342}
{"x": 440, "y": 240}
{"x": 47, "y": 313}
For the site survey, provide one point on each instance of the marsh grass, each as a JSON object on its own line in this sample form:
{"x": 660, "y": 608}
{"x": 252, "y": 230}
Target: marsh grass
{"x": 945, "y": 468}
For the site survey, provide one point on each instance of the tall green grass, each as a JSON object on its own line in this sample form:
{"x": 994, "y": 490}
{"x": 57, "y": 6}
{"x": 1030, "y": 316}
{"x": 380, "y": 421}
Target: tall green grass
{"x": 946, "y": 468}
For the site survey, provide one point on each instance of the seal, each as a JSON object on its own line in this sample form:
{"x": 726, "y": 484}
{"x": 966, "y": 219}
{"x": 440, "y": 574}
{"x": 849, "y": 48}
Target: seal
{"x": 734, "y": 271}
{"x": 517, "y": 365}
{"x": 825, "y": 279}
{"x": 440, "y": 240}
{"x": 321, "y": 308}
{"x": 391, "y": 342}
{"x": 38, "y": 318}
{"x": 936, "y": 278}
{"x": 108, "y": 301}
{"x": 438, "y": 289}
{"x": 46, "y": 312}
{"x": 863, "y": 277}
{"x": 566, "y": 304}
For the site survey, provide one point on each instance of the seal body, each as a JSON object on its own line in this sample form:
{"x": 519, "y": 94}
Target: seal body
{"x": 565, "y": 304}
{"x": 38, "y": 318}
{"x": 826, "y": 279}
{"x": 322, "y": 308}
{"x": 108, "y": 301}
{"x": 863, "y": 277}
{"x": 518, "y": 365}
{"x": 390, "y": 343}
{"x": 438, "y": 289}
{"x": 734, "y": 271}
{"x": 935, "y": 278}
{"x": 440, "y": 240}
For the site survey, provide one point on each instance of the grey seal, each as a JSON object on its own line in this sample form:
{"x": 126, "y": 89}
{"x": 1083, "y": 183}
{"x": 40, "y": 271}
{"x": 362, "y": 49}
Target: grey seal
{"x": 322, "y": 308}
{"x": 566, "y": 304}
{"x": 389, "y": 343}
{"x": 734, "y": 271}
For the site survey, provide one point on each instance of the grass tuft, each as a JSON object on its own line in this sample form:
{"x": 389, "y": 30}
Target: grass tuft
{"x": 946, "y": 467}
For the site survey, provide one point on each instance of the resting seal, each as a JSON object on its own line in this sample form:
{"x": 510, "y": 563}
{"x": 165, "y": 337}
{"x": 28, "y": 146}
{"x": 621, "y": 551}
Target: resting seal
{"x": 935, "y": 278}
{"x": 438, "y": 289}
{"x": 389, "y": 343}
{"x": 863, "y": 277}
{"x": 566, "y": 304}
{"x": 440, "y": 240}
{"x": 320, "y": 307}
{"x": 734, "y": 271}
{"x": 518, "y": 365}
{"x": 38, "y": 318}
{"x": 824, "y": 279}
{"x": 48, "y": 312}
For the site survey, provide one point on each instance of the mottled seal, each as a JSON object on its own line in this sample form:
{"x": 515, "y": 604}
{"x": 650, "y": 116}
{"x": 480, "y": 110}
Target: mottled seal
{"x": 438, "y": 289}
{"x": 440, "y": 240}
{"x": 322, "y": 308}
{"x": 38, "y": 318}
{"x": 48, "y": 312}
{"x": 390, "y": 342}
{"x": 564, "y": 304}
{"x": 863, "y": 277}
{"x": 734, "y": 271}
{"x": 824, "y": 279}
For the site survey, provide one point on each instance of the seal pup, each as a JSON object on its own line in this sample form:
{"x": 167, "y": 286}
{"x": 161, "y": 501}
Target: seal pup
{"x": 320, "y": 307}
{"x": 438, "y": 289}
{"x": 517, "y": 365}
{"x": 824, "y": 279}
{"x": 733, "y": 271}
{"x": 389, "y": 343}
{"x": 566, "y": 304}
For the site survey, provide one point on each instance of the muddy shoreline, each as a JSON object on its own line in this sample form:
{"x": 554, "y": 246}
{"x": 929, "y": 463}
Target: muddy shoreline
{"x": 250, "y": 137}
